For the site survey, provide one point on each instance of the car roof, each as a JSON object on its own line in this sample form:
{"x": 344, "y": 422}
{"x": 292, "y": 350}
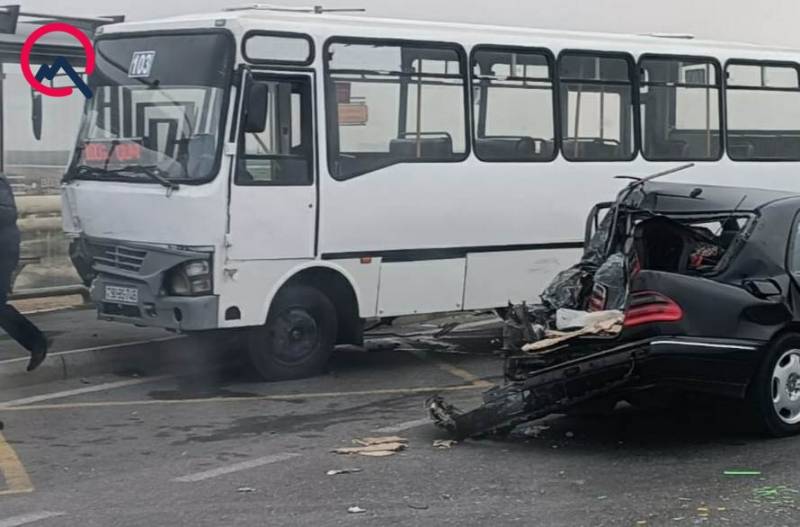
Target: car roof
{"x": 662, "y": 197}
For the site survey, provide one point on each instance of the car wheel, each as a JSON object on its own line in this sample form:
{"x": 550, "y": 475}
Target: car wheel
{"x": 298, "y": 337}
{"x": 775, "y": 391}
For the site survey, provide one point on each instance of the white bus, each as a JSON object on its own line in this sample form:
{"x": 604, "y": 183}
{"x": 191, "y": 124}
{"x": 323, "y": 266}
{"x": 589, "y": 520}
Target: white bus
{"x": 296, "y": 173}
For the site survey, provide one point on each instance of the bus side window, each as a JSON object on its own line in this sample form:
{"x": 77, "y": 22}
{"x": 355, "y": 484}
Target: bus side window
{"x": 514, "y": 104}
{"x": 391, "y": 103}
{"x": 763, "y": 105}
{"x": 680, "y": 108}
{"x": 282, "y": 153}
{"x": 597, "y": 121}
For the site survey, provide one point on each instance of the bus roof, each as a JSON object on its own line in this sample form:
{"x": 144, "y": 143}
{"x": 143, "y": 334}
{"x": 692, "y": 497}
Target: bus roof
{"x": 354, "y": 25}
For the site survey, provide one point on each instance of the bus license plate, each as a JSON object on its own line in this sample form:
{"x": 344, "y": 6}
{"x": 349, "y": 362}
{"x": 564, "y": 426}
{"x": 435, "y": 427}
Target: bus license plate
{"x": 122, "y": 295}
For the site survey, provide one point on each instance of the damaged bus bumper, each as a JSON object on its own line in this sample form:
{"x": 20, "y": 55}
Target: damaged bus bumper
{"x": 720, "y": 366}
{"x": 136, "y": 283}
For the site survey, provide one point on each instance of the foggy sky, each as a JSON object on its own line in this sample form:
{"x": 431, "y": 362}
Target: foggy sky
{"x": 764, "y": 22}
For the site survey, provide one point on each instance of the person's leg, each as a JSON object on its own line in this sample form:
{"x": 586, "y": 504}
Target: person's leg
{"x": 19, "y": 328}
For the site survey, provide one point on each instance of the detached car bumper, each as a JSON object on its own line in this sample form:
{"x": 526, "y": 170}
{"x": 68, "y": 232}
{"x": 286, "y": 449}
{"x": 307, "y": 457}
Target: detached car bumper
{"x": 721, "y": 366}
{"x": 602, "y": 368}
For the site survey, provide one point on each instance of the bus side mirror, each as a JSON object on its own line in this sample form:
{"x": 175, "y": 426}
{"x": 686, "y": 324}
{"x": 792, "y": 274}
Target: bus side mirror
{"x": 36, "y": 114}
{"x": 256, "y": 108}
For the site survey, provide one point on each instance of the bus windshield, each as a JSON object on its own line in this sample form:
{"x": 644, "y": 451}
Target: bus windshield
{"x": 155, "y": 108}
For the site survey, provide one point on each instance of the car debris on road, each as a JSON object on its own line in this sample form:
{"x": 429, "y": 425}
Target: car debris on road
{"x": 375, "y": 446}
{"x": 681, "y": 287}
{"x": 340, "y": 471}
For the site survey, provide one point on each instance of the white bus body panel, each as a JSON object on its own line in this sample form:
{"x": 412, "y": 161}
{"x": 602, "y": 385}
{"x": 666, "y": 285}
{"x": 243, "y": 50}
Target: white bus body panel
{"x": 194, "y": 215}
{"x": 254, "y": 283}
{"x": 493, "y": 279}
{"x": 421, "y": 287}
{"x": 272, "y": 222}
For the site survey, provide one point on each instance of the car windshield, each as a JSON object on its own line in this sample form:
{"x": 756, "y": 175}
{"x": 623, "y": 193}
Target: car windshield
{"x": 151, "y": 111}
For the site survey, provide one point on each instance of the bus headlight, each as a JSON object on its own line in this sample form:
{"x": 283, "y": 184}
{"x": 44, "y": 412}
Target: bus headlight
{"x": 190, "y": 279}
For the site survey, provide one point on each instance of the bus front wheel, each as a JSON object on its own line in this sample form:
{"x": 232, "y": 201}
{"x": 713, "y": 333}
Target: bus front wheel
{"x": 298, "y": 338}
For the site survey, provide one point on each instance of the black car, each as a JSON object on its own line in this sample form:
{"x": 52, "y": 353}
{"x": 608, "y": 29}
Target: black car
{"x": 710, "y": 303}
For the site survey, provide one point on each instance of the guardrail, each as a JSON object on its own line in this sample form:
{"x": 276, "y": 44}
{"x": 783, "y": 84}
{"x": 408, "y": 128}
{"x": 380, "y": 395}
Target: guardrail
{"x": 43, "y": 241}
{"x": 61, "y": 290}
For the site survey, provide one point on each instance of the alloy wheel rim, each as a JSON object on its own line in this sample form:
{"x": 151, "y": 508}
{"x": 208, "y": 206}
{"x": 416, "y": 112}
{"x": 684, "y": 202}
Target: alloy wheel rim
{"x": 785, "y": 387}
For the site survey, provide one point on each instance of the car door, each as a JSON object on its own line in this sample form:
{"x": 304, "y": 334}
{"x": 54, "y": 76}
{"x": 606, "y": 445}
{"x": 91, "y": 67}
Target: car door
{"x": 273, "y": 197}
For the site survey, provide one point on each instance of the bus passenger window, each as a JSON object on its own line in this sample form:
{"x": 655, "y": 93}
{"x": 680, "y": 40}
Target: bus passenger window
{"x": 596, "y": 107}
{"x": 513, "y": 97}
{"x": 394, "y": 103}
{"x": 763, "y": 105}
{"x": 282, "y": 153}
{"x": 680, "y": 117}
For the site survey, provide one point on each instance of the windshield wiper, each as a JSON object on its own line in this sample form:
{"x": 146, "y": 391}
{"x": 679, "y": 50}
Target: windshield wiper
{"x": 152, "y": 172}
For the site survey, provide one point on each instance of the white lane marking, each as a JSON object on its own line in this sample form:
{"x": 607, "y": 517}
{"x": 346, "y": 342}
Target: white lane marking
{"x": 399, "y": 427}
{"x": 80, "y": 391}
{"x": 236, "y": 467}
{"x": 25, "y": 519}
{"x": 107, "y": 347}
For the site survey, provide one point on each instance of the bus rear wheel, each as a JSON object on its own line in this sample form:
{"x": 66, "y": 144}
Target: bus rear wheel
{"x": 298, "y": 338}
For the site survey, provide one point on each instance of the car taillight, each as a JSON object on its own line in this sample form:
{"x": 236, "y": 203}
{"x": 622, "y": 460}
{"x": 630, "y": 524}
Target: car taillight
{"x": 645, "y": 307}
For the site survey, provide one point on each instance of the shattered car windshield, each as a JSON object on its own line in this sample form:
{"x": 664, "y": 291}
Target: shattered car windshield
{"x": 148, "y": 111}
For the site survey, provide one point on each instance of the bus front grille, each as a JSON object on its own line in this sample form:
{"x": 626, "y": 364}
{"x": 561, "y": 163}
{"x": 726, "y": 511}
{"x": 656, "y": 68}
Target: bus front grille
{"x": 118, "y": 256}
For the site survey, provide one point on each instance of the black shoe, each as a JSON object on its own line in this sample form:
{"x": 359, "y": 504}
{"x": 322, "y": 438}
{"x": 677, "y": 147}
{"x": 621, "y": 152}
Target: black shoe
{"x": 38, "y": 354}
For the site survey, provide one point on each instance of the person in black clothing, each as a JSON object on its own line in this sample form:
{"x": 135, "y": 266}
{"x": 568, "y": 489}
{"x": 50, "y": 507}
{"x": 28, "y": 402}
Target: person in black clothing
{"x": 12, "y": 321}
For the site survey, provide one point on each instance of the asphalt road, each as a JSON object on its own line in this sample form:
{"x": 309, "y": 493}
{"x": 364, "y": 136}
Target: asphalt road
{"x": 218, "y": 449}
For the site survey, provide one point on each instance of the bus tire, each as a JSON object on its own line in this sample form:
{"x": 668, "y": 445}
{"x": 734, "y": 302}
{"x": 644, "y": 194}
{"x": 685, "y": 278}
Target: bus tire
{"x": 774, "y": 393}
{"x": 298, "y": 337}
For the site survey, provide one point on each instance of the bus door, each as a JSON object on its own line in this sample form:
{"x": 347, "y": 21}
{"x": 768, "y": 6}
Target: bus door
{"x": 273, "y": 203}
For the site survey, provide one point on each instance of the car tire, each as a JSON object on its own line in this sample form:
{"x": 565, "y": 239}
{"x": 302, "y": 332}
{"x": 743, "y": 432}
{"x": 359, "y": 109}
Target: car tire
{"x": 774, "y": 394}
{"x": 298, "y": 337}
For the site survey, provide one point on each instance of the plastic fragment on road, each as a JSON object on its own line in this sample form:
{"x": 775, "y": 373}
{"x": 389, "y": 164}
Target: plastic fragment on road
{"x": 444, "y": 443}
{"x": 742, "y": 472}
{"x": 245, "y": 489}
{"x": 375, "y": 446}
{"x": 355, "y": 510}
{"x": 338, "y": 471}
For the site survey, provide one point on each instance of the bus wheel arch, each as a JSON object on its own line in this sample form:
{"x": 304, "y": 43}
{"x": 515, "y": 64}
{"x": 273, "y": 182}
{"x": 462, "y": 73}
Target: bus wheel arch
{"x": 339, "y": 288}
